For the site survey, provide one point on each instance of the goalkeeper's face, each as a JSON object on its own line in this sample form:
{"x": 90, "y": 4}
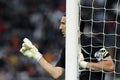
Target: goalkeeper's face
{"x": 63, "y": 25}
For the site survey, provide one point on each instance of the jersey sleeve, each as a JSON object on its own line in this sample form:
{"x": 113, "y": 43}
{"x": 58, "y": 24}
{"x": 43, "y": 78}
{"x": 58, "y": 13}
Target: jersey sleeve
{"x": 100, "y": 51}
{"x": 101, "y": 54}
{"x": 94, "y": 48}
{"x": 61, "y": 62}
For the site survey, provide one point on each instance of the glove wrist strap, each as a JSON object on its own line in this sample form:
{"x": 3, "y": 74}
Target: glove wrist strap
{"x": 83, "y": 64}
{"x": 37, "y": 56}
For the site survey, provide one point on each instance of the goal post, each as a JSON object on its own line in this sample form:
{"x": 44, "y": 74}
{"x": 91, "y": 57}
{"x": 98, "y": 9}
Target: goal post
{"x": 72, "y": 16}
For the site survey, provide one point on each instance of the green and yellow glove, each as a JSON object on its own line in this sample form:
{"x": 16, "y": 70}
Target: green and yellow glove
{"x": 29, "y": 50}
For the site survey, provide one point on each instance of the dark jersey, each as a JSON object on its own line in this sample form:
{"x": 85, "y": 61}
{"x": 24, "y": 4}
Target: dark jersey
{"x": 61, "y": 62}
{"x": 93, "y": 51}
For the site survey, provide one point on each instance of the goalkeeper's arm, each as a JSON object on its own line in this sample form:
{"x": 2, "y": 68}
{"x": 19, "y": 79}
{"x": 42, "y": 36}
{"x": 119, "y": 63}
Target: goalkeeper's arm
{"x": 106, "y": 64}
{"x": 29, "y": 50}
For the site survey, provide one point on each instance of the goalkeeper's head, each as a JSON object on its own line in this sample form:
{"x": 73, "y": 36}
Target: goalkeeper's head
{"x": 62, "y": 26}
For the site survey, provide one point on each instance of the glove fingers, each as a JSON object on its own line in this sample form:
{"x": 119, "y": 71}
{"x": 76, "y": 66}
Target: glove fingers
{"x": 26, "y": 40}
{"x": 23, "y": 49}
{"x": 28, "y": 54}
{"x": 29, "y": 46}
{"x": 27, "y": 43}
{"x": 23, "y": 45}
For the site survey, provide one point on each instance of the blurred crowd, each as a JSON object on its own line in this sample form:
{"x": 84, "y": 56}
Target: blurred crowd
{"x": 39, "y": 20}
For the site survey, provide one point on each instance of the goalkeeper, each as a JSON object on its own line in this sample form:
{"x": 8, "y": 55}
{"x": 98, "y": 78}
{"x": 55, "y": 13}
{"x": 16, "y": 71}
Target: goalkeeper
{"x": 29, "y": 50}
{"x": 94, "y": 58}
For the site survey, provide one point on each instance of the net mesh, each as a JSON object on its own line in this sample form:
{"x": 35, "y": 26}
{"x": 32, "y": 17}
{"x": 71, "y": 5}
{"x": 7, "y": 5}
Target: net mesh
{"x": 102, "y": 18}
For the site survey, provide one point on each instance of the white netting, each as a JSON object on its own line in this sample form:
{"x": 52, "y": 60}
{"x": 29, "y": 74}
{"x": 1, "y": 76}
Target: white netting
{"x": 102, "y": 18}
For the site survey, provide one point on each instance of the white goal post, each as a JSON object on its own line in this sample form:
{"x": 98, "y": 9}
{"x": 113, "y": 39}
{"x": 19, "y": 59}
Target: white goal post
{"x": 72, "y": 16}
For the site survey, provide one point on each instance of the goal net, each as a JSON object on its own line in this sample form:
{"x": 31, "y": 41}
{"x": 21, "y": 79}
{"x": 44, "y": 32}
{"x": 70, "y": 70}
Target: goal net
{"x": 102, "y": 20}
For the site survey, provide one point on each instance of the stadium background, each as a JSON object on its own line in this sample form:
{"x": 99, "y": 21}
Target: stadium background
{"x": 39, "y": 21}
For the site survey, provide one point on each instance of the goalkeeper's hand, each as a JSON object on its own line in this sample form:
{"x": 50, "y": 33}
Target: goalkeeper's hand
{"x": 29, "y": 50}
{"x": 82, "y": 63}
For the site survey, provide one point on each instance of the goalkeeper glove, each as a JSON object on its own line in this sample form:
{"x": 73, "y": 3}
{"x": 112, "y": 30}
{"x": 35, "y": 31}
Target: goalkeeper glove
{"x": 82, "y": 63}
{"x": 29, "y": 50}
